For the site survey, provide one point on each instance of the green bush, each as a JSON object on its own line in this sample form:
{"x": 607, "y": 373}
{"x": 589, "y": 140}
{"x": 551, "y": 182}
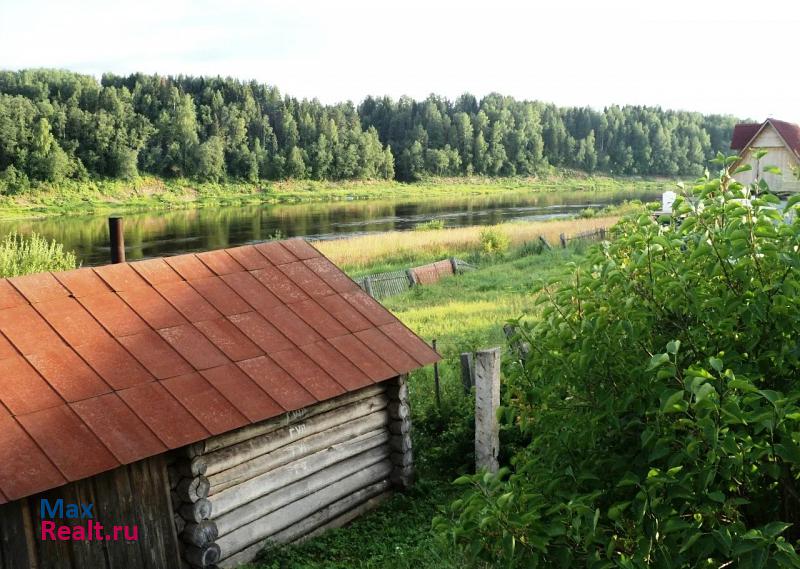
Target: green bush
{"x": 494, "y": 240}
{"x": 588, "y": 213}
{"x": 658, "y": 412}
{"x": 23, "y": 255}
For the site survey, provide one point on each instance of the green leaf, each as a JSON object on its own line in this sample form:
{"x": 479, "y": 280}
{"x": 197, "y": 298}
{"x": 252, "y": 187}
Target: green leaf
{"x": 772, "y": 170}
{"x": 673, "y": 346}
{"x": 717, "y": 496}
{"x": 657, "y": 361}
{"x": 716, "y": 363}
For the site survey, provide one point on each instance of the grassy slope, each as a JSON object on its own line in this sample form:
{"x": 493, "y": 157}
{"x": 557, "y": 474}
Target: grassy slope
{"x": 149, "y": 192}
{"x": 464, "y": 313}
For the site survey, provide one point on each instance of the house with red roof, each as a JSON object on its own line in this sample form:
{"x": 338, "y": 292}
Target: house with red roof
{"x": 187, "y": 411}
{"x": 781, "y": 140}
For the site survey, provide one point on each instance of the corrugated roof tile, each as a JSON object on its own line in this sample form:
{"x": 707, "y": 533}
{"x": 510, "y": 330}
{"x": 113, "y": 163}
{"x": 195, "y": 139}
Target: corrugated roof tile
{"x": 120, "y": 277}
{"x": 152, "y": 307}
{"x": 39, "y": 287}
{"x": 344, "y": 312}
{"x": 82, "y": 282}
{"x": 243, "y": 393}
{"x": 114, "y": 363}
{"x": 189, "y": 342}
{"x": 167, "y": 418}
{"x": 410, "y": 343}
{"x": 188, "y": 301}
{"x": 228, "y": 338}
{"x": 367, "y": 306}
{"x": 329, "y": 273}
{"x": 280, "y": 285}
{"x": 71, "y": 320}
{"x": 248, "y": 287}
{"x": 314, "y": 379}
{"x": 189, "y": 267}
{"x": 306, "y": 279}
{"x": 22, "y": 389}
{"x": 364, "y": 358}
{"x": 24, "y": 470}
{"x": 277, "y": 383}
{"x": 220, "y": 295}
{"x": 261, "y": 332}
{"x": 203, "y": 401}
{"x": 387, "y": 349}
{"x": 220, "y": 262}
{"x": 300, "y": 248}
{"x": 26, "y": 329}
{"x": 67, "y": 373}
{"x": 9, "y": 297}
{"x": 290, "y": 325}
{"x": 275, "y": 252}
{"x": 319, "y": 319}
{"x": 155, "y": 354}
{"x": 339, "y": 367}
{"x": 115, "y": 316}
{"x": 249, "y": 257}
{"x": 156, "y": 271}
{"x": 122, "y": 432}
{"x": 78, "y": 455}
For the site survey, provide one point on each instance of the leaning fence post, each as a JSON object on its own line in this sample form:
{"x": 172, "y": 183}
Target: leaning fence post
{"x": 412, "y": 280}
{"x": 563, "y": 239}
{"x": 602, "y": 233}
{"x": 436, "y": 378}
{"x": 368, "y": 286}
{"x": 467, "y": 371}
{"x": 487, "y": 400}
{"x": 454, "y": 265}
{"x": 544, "y": 242}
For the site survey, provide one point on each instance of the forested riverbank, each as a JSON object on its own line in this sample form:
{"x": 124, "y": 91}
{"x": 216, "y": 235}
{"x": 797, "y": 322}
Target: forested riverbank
{"x": 58, "y": 126}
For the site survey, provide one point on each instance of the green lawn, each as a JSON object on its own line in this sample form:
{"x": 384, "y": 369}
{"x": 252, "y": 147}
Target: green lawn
{"x": 464, "y": 312}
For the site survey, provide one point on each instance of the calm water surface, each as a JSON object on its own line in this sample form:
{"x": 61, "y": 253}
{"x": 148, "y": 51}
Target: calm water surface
{"x": 169, "y": 232}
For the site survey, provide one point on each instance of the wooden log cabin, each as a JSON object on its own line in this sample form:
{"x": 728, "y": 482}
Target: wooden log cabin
{"x": 204, "y": 405}
{"x": 781, "y": 141}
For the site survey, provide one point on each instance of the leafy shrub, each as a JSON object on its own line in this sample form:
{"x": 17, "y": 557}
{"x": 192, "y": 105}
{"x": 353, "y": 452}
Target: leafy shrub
{"x": 588, "y": 213}
{"x": 430, "y": 225}
{"x": 493, "y": 240}
{"x": 23, "y": 255}
{"x": 659, "y": 407}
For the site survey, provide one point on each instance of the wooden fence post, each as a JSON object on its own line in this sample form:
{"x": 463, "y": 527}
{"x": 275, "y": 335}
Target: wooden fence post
{"x": 436, "y": 379}
{"x": 467, "y": 371}
{"x": 563, "y": 239}
{"x": 368, "y": 286}
{"x": 487, "y": 400}
{"x": 544, "y": 242}
{"x": 412, "y": 280}
{"x": 454, "y": 265}
{"x": 117, "y": 238}
{"x": 602, "y": 233}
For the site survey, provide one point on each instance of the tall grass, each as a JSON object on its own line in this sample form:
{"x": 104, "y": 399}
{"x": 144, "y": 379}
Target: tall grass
{"x": 21, "y": 255}
{"x": 387, "y": 251}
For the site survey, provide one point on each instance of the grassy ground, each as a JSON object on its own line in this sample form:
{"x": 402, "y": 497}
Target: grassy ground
{"x": 464, "y": 312}
{"x": 396, "y": 250}
{"x": 82, "y": 197}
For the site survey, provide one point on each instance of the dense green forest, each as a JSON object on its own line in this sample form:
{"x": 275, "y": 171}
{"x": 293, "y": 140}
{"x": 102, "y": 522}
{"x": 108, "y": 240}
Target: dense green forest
{"x": 58, "y": 124}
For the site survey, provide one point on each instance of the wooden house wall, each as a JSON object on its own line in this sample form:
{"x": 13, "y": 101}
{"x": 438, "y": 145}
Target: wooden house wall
{"x": 777, "y": 155}
{"x": 136, "y": 494}
{"x": 286, "y": 478}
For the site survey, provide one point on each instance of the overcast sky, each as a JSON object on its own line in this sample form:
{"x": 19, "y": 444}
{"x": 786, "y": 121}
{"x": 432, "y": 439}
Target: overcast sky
{"x": 738, "y": 57}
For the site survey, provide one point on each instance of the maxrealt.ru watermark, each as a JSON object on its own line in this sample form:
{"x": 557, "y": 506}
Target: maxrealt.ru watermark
{"x": 58, "y": 524}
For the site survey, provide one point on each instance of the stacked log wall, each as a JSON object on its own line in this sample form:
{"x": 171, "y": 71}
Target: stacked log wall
{"x": 291, "y": 477}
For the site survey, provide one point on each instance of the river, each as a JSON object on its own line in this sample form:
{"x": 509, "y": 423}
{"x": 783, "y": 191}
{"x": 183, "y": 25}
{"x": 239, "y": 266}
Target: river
{"x": 169, "y": 232}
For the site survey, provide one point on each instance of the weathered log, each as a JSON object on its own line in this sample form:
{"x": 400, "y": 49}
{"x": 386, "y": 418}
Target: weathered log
{"x": 258, "y": 497}
{"x": 402, "y": 459}
{"x": 400, "y": 443}
{"x": 193, "y": 489}
{"x": 287, "y": 419}
{"x": 241, "y": 473}
{"x": 173, "y": 475}
{"x": 400, "y": 427}
{"x": 399, "y": 410}
{"x": 402, "y": 477}
{"x": 202, "y": 556}
{"x": 297, "y": 510}
{"x": 487, "y": 400}
{"x": 243, "y": 453}
{"x": 379, "y": 493}
{"x": 200, "y": 534}
{"x": 397, "y": 390}
{"x": 176, "y": 500}
{"x": 180, "y": 523}
{"x": 195, "y": 512}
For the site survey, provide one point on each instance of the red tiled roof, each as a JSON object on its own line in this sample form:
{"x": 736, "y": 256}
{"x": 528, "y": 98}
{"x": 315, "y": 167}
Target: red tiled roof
{"x": 109, "y": 365}
{"x": 744, "y": 133}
